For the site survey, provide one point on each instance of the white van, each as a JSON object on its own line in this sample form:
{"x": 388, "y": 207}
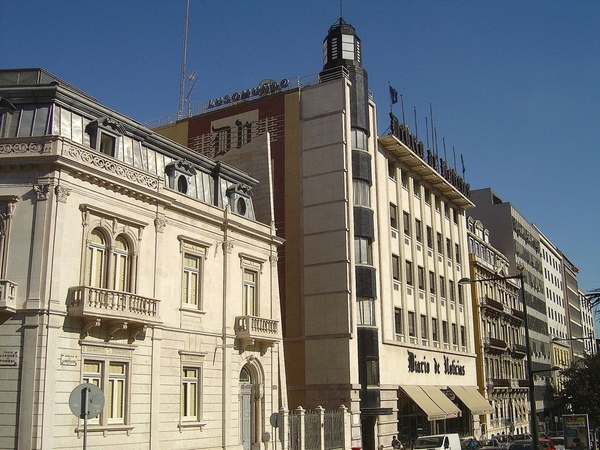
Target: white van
{"x": 438, "y": 442}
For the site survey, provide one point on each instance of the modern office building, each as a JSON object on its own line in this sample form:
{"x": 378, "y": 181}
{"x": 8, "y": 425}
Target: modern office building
{"x": 375, "y": 243}
{"x": 499, "y": 335}
{"x": 519, "y": 240}
{"x": 133, "y": 264}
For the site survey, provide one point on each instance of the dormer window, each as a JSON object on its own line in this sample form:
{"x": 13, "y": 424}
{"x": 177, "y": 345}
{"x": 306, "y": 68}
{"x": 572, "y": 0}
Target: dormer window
{"x": 104, "y": 133}
{"x": 239, "y": 196}
{"x": 178, "y": 174}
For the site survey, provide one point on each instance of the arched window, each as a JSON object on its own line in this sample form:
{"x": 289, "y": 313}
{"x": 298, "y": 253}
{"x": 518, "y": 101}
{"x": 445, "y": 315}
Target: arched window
{"x": 121, "y": 264}
{"x": 96, "y": 276}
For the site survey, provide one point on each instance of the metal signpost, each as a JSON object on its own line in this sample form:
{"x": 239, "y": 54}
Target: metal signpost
{"x": 86, "y": 401}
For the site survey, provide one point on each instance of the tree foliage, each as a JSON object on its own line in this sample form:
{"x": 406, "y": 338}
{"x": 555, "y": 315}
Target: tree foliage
{"x": 594, "y": 298}
{"x": 581, "y": 392}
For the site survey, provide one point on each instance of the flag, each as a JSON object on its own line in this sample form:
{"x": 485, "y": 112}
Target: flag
{"x": 393, "y": 95}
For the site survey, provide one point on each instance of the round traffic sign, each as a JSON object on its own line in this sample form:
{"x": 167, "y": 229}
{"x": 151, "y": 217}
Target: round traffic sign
{"x": 86, "y": 400}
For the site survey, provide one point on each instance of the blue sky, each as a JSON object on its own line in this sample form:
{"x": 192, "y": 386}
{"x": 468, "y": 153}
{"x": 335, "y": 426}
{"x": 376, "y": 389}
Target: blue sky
{"x": 514, "y": 85}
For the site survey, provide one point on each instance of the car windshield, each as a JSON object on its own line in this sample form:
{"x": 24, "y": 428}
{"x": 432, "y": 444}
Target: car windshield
{"x": 429, "y": 441}
{"x": 558, "y": 441}
{"x": 521, "y": 446}
{"x": 487, "y": 443}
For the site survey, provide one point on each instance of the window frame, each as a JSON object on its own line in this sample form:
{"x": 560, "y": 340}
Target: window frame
{"x": 191, "y": 360}
{"x": 393, "y": 216}
{"x": 103, "y": 380}
{"x": 398, "y": 322}
{"x": 365, "y": 311}
{"x": 199, "y": 250}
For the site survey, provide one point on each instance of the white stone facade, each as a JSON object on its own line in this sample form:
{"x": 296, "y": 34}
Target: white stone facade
{"x": 136, "y": 266}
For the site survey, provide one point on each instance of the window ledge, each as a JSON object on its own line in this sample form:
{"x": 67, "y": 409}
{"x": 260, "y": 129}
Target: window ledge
{"x": 185, "y": 425}
{"x": 192, "y": 310}
{"x": 105, "y": 429}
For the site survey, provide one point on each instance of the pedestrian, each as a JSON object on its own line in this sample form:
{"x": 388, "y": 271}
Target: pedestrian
{"x": 395, "y": 442}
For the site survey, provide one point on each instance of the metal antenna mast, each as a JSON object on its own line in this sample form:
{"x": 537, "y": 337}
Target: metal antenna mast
{"x": 183, "y": 60}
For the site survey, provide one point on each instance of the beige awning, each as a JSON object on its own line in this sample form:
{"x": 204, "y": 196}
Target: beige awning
{"x": 428, "y": 404}
{"x": 442, "y": 401}
{"x": 472, "y": 399}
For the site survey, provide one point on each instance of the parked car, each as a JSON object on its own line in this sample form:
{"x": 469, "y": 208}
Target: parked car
{"x": 522, "y": 437}
{"x": 559, "y": 442}
{"x": 521, "y": 444}
{"x": 491, "y": 444}
{"x": 504, "y": 439}
{"x": 547, "y": 444}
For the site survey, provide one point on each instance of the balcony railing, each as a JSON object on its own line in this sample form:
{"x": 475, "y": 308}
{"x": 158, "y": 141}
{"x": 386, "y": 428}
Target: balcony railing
{"x": 121, "y": 310}
{"x": 494, "y": 344}
{"x": 8, "y": 296}
{"x": 251, "y": 330}
{"x": 501, "y": 382}
{"x": 494, "y": 304}
{"x": 519, "y": 350}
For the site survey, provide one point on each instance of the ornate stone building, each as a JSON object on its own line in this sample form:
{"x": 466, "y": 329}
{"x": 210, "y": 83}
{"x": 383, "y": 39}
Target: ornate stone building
{"x": 133, "y": 264}
{"x": 499, "y": 336}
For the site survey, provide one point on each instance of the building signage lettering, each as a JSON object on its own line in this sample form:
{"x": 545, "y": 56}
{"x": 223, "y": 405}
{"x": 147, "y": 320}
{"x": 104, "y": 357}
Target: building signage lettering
{"x": 269, "y": 87}
{"x": 451, "y": 367}
{"x": 68, "y": 360}
{"x": 9, "y": 358}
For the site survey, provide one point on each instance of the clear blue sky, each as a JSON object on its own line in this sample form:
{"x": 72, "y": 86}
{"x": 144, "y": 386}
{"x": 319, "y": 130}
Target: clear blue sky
{"x": 515, "y": 85}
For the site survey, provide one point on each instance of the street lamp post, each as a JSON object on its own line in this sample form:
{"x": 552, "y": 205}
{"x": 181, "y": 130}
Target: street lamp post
{"x": 534, "y": 422}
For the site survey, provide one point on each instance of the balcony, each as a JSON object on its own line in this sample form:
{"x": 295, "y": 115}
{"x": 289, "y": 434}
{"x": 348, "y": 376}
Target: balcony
{"x": 119, "y": 310}
{"x": 494, "y": 345}
{"x": 8, "y": 296}
{"x": 518, "y": 314}
{"x": 519, "y": 350}
{"x": 501, "y": 383}
{"x": 493, "y": 304}
{"x": 250, "y": 330}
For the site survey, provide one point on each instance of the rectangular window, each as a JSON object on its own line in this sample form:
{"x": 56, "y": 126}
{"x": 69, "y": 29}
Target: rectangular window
{"x": 416, "y": 188}
{"x": 442, "y": 287}
{"x": 440, "y": 244}
{"x": 362, "y": 250}
{"x": 391, "y": 170}
{"x": 372, "y": 371}
{"x": 409, "y": 273}
{"x": 445, "y": 331}
{"x": 190, "y": 382}
{"x": 423, "y": 326}
{"x": 250, "y": 294}
{"x": 427, "y": 195}
{"x": 449, "y": 248}
{"x": 451, "y": 291}
{"x": 460, "y": 294}
{"x": 429, "y": 237}
{"x": 406, "y": 217}
{"x": 421, "y": 275}
{"x": 398, "y": 321}
{"x": 393, "y": 216}
{"x": 432, "y": 282}
{"x": 366, "y": 311}
{"x": 112, "y": 378}
{"x": 434, "y": 330}
{"x": 191, "y": 280}
{"x": 463, "y": 336}
{"x": 418, "y": 231}
{"x": 362, "y": 193}
{"x": 411, "y": 324}
{"x": 457, "y": 252}
{"x": 115, "y": 400}
{"x": 454, "y": 334}
{"x": 396, "y": 267}
{"x": 404, "y": 178}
